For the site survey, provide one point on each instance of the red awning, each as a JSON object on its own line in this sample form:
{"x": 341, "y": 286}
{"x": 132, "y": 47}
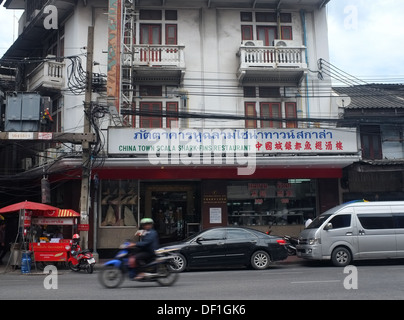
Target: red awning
{"x": 31, "y": 206}
{"x": 65, "y": 213}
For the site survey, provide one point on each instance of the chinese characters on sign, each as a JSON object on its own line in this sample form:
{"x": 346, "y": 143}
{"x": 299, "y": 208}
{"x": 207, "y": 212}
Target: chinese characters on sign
{"x": 299, "y": 146}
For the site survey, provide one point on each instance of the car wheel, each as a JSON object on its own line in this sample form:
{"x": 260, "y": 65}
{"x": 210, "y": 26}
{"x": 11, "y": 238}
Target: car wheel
{"x": 179, "y": 263}
{"x": 260, "y": 260}
{"x": 341, "y": 257}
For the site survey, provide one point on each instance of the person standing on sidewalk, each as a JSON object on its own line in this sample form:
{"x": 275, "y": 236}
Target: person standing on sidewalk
{"x": 3, "y": 245}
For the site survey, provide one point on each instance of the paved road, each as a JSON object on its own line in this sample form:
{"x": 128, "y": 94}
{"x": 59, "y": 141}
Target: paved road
{"x": 382, "y": 280}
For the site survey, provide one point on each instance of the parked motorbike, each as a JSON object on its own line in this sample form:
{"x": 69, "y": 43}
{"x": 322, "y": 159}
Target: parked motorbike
{"x": 158, "y": 270}
{"x": 291, "y": 243}
{"x": 81, "y": 260}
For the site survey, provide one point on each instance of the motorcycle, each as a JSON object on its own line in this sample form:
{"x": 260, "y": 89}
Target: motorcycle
{"x": 159, "y": 269}
{"x": 291, "y": 243}
{"x": 81, "y": 260}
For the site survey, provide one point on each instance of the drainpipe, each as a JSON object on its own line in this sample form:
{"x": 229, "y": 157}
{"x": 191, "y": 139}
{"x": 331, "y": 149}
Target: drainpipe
{"x": 303, "y": 18}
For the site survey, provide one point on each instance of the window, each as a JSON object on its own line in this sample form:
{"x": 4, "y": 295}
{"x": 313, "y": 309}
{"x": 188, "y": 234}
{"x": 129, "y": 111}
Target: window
{"x": 269, "y": 92}
{"x": 271, "y": 202}
{"x": 234, "y": 234}
{"x": 150, "y": 14}
{"x": 150, "y": 115}
{"x": 341, "y": 221}
{"x": 371, "y": 142}
{"x": 246, "y": 16}
{"x": 291, "y": 113}
{"x": 118, "y": 203}
{"x": 171, "y": 34}
{"x": 250, "y": 112}
{"x": 376, "y": 221}
{"x": 399, "y": 220}
{"x": 267, "y": 34}
{"x": 150, "y": 34}
{"x": 249, "y": 92}
{"x": 286, "y": 33}
{"x": 285, "y": 17}
{"x": 172, "y": 108}
{"x": 150, "y": 91}
{"x": 171, "y": 14}
{"x": 265, "y": 16}
{"x": 214, "y": 234}
{"x": 270, "y": 110}
{"x": 247, "y": 33}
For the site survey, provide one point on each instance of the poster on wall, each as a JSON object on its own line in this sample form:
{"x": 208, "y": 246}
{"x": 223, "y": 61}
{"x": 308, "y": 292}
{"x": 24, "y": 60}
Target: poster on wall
{"x": 215, "y": 215}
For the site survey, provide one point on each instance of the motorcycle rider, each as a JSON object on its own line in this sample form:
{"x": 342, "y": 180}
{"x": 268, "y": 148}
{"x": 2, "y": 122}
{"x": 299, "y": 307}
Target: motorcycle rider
{"x": 75, "y": 248}
{"x": 145, "y": 248}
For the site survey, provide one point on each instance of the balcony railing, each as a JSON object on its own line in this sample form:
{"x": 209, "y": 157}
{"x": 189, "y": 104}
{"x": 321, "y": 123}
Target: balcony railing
{"x": 285, "y": 65}
{"x": 48, "y": 75}
{"x": 274, "y": 57}
{"x": 159, "y": 56}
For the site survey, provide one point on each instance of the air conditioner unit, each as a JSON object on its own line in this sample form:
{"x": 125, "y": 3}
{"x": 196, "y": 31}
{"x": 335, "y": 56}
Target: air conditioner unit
{"x": 252, "y": 43}
{"x": 285, "y": 43}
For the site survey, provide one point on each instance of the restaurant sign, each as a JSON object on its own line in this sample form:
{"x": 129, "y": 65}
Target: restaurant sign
{"x": 130, "y": 141}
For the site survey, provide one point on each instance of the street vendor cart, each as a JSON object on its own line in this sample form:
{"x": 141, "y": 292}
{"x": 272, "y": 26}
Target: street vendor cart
{"x": 39, "y": 232}
{"x": 49, "y": 246}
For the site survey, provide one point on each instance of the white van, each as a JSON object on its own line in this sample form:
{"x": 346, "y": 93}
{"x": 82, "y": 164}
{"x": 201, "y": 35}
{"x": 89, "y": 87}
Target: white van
{"x": 355, "y": 231}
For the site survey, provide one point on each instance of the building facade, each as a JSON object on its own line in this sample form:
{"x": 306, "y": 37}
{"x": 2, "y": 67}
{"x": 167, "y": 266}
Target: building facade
{"x": 376, "y": 110}
{"x": 206, "y": 113}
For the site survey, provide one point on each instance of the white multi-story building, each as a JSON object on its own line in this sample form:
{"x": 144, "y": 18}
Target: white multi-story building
{"x": 210, "y": 69}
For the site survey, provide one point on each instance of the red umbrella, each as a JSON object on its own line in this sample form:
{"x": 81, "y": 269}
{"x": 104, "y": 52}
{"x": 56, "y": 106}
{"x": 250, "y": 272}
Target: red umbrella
{"x": 28, "y": 205}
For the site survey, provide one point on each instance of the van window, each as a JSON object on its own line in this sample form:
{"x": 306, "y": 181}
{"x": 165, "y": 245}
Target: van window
{"x": 341, "y": 221}
{"x": 317, "y": 222}
{"x": 376, "y": 221}
{"x": 399, "y": 220}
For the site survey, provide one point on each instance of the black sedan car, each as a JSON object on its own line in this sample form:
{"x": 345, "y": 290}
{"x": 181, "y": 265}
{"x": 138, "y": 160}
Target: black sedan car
{"x": 229, "y": 246}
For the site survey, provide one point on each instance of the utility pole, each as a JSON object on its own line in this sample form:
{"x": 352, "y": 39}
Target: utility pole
{"x": 86, "y": 164}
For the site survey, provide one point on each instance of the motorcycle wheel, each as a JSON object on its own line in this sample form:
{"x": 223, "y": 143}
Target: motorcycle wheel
{"x": 90, "y": 269}
{"x": 73, "y": 267}
{"x": 110, "y": 277}
{"x": 166, "y": 277}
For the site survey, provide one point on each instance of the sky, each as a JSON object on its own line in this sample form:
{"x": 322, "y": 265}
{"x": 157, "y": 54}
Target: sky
{"x": 366, "y": 37}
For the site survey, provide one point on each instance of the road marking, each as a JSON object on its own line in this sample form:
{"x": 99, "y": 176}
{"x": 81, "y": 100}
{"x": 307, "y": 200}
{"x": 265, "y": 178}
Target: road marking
{"x": 315, "y": 281}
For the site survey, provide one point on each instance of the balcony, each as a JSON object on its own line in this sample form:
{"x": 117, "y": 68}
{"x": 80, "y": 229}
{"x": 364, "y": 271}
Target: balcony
{"x": 284, "y": 65}
{"x": 46, "y": 77}
{"x": 157, "y": 63}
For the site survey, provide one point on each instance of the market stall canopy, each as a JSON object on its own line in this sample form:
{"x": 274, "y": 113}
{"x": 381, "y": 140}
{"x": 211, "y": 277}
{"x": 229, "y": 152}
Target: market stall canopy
{"x": 32, "y": 206}
{"x": 67, "y": 213}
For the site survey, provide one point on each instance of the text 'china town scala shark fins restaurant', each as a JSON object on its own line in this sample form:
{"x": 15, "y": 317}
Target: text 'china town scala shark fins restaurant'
{"x": 191, "y": 179}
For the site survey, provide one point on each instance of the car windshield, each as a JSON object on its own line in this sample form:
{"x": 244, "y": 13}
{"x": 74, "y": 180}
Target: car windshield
{"x": 317, "y": 222}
